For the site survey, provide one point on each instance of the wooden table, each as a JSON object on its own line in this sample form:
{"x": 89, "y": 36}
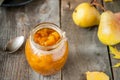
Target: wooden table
{"x": 86, "y": 53}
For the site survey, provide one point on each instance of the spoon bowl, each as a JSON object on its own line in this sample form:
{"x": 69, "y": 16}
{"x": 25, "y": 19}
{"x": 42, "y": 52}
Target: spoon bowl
{"x": 14, "y": 44}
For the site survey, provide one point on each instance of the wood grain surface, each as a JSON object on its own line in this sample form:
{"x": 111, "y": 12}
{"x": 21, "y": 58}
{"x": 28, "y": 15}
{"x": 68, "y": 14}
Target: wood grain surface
{"x": 16, "y": 21}
{"x": 86, "y": 53}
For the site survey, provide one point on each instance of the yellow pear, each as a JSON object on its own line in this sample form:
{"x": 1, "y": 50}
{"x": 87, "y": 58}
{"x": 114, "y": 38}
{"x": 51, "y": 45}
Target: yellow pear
{"x": 86, "y": 15}
{"x": 109, "y": 28}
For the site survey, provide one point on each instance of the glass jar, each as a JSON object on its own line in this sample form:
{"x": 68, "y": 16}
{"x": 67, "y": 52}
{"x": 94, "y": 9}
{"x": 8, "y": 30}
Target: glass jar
{"x": 47, "y": 60}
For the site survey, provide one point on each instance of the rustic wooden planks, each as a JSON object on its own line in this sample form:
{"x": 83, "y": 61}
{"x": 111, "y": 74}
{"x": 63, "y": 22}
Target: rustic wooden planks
{"x": 115, "y": 7}
{"x": 17, "y": 21}
{"x": 86, "y": 53}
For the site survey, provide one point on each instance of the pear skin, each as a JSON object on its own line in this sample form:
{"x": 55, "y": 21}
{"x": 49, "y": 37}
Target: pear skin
{"x": 109, "y": 29}
{"x": 86, "y": 15}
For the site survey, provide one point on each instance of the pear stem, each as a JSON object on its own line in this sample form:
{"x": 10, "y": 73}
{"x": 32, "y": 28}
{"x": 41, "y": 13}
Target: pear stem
{"x": 98, "y": 4}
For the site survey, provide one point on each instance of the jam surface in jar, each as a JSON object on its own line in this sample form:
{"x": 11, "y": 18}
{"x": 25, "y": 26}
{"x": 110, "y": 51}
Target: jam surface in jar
{"x": 46, "y": 62}
{"x": 46, "y": 37}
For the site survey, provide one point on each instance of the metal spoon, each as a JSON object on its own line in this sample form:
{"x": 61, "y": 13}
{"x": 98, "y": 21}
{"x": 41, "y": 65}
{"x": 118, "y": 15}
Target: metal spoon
{"x": 14, "y": 44}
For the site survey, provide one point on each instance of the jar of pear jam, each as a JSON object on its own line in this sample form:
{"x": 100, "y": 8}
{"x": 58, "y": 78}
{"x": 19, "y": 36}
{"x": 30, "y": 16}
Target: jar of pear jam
{"x": 46, "y": 49}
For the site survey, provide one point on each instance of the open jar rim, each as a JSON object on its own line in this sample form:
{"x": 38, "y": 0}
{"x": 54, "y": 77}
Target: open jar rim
{"x": 51, "y": 26}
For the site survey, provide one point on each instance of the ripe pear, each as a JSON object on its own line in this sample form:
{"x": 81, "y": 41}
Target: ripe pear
{"x": 109, "y": 28}
{"x": 86, "y": 15}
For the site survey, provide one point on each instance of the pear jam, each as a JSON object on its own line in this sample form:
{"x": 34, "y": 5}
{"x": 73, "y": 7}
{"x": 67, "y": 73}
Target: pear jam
{"x": 46, "y": 37}
{"x": 47, "y": 49}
